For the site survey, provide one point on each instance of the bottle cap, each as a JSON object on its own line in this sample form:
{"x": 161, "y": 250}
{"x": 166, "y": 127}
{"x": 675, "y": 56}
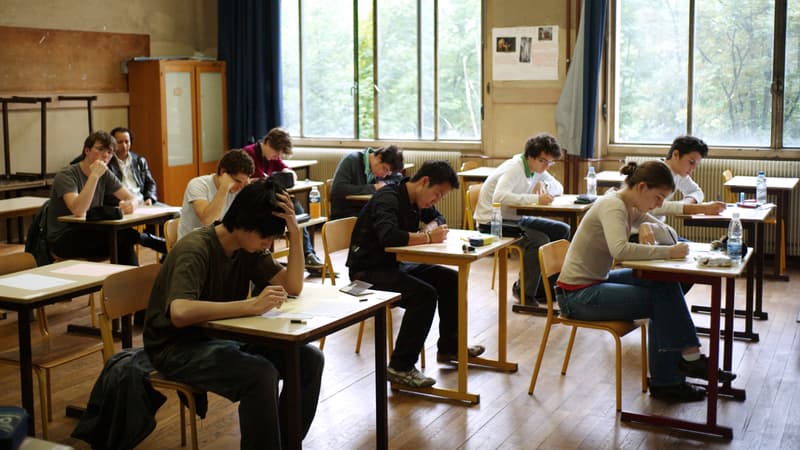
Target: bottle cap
{"x": 495, "y": 204}
{"x": 735, "y": 215}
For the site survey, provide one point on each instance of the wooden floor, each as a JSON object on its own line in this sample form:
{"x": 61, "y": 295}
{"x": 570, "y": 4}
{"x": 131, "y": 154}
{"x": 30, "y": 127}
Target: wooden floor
{"x": 572, "y": 411}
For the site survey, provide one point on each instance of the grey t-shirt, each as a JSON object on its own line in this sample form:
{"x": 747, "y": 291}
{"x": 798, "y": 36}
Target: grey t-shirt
{"x": 199, "y": 188}
{"x": 197, "y": 269}
{"x": 72, "y": 179}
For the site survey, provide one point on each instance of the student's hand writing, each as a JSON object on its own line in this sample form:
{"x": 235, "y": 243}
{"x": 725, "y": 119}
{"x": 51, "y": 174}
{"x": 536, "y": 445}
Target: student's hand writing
{"x": 713, "y": 208}
{"x": 98, "y": 168}
{"x": 646, "y": 234}
{"x": 270, "y": 298}
{"x": 439, "y": 234}
{"x": 545, "y": 199}
{"x": 679, "y": 250}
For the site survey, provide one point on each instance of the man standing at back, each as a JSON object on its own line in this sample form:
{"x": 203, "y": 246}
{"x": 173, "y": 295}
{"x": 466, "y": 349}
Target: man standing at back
{"x": 362, "y": 172}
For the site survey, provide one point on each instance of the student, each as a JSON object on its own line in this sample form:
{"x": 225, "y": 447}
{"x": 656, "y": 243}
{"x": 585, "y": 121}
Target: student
{"x": 208, "y": 197}
{"x": 134, "y": 173}
{"x": 79, "y": 187}
{"x": 391, "y": 218}
{"x": 524, "y": 179}
{"x": 683, "y": 157}
{"x": 267, "y": 156}
{"x": 206, "y": 276}
{"x": 589, "y": 290}
{"x": 362, "y": 172}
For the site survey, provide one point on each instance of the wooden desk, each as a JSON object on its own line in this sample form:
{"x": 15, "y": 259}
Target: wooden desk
{"x": 610, "y": 179}
{"x": 688, "y": 271}
{"x": 141, "y": 216}
{"x": 781, "y": 188}
{"x": 43, "y": 286}
{"x": 450, "y": 253}
{"x": 305, "y": 164}
{"x": 326, "y": 310}
{"x": 471, "y": 176}
{"x": 753, "y": 221}
{"x": 18, "y": 208}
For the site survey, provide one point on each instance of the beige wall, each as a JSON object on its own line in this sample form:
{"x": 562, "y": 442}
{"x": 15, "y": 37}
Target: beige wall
{"x": 176, "y": 28}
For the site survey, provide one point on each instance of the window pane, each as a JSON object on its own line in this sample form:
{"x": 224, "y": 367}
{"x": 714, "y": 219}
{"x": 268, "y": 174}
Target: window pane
{"x": 290, "y": 67}
{"x": 791, "y": 104}
{"x": 459, "y": 69}
{"x": 651, "y": 70}
{"x": 397, "y": 69}
{"x": 327, "y": 46}
{"x": 733, "y": 71}
{"x": 366, "y": 78}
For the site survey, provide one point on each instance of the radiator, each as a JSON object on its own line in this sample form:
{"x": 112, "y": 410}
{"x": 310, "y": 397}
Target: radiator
{"x": 709, "y": 176}
{"x": 327, "y": 159}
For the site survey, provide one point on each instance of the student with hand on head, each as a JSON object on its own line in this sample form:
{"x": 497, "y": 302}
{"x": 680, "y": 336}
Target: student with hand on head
{"x": 588, "y": 288}
{"x": 392, "y": 218}
{"x": 206, "y": 276}
{"x": 524, "y": 179}
{"x": 267, "y": 156}
{"x": 79, "y": 187}
{"x": 208, "y": 197}
{"x": 362, "y": 172}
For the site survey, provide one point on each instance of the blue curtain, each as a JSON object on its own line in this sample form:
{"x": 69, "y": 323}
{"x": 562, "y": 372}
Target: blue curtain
{"x": 595, "y": 21}
{"x": 249, "y": 43}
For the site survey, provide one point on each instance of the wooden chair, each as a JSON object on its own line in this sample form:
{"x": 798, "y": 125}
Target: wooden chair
{"x": 326, "y": 198}
{"x": 123, "y": 294}
{"x": 551, "y": 258}
{"x": 470, "y": 201}
{"x": 49, "y": 351}
{"x": 468, "y": 165}
{"x": 336, "y": 237}
{"x": 171, "y": 232}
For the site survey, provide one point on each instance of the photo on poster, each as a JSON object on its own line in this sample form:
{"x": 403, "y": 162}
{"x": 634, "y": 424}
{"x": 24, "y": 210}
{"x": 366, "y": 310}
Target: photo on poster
{"x": 506, "y": 44}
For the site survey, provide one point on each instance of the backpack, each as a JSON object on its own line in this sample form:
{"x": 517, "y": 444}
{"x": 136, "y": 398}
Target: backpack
{"x": 36, "y": 241}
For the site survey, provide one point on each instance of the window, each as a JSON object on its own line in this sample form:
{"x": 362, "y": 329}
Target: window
{"x": 706, "y": 68}
{"x": 400, "y": 70}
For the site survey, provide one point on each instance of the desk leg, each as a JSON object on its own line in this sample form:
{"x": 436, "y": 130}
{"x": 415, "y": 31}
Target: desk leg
{"x": 381, "y": 404}
{"x": 502, "y": 306}
{"x": 727, "y": 353}
{"x": 759, "y": 313}
{"x": 463, "y": 279}
{"x": 292, "y": 384}
{"x": 112, "y": 249}
{"x": 26, "y": 367}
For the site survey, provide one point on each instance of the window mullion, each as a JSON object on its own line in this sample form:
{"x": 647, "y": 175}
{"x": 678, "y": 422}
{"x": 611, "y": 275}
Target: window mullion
{"x": 778, "y": 73}
{"x": 690, "y": 68}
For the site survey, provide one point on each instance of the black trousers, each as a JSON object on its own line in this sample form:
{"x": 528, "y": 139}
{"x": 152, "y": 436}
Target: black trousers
{"x": 423, "y": 287}
{"x": 82, "y": 243}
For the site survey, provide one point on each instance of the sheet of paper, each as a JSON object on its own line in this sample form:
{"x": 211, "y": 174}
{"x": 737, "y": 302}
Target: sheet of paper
{"x": 34, "y": 282}
{"x": 92, "y": 270}
{"x": 278, "y": 314}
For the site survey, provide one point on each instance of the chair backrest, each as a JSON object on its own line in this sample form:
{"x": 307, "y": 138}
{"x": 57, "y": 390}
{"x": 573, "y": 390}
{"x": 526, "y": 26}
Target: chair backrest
{"x": 326, "y": 197}
{"x": 16, "y": 262}
{"x": 123, "y": 294}
{"x": 336, "y": 236}
{"x": 727, "y": 174}
{"x": 468, "y": 165}
{"x": 171, "y": 232}
{"x": 551, "y": 258}
{"x": 470, "y": 203}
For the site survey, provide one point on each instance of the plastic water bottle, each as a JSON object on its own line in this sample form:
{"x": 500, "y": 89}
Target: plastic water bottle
{"x": 497, "y": 221}
{"x": 313, "y": 202}
{"x": 735, "y": 239}
{"x": 591, "y": 182}
{"x": 761, "y": 188}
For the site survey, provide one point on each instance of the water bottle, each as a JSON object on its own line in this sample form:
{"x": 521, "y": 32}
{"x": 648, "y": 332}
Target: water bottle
{"x": 591, "y": 182}
{"x": 313, "y": 202}
{"x": 497, "y": 221}
{"x": 761, "y": 188}
{"x": 735, "y": 239}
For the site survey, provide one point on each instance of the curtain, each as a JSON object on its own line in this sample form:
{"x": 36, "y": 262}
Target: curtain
{"x": 249, "y": 43}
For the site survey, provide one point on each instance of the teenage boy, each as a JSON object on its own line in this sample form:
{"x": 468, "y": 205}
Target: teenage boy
{"x": 391, "y": 218}
{"x": 362, "y": 172}
{"x": 524, "y": 179}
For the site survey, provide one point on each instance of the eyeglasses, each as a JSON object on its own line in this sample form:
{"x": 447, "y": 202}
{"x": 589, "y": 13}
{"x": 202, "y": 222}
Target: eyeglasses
{"x": 547, "y": 162}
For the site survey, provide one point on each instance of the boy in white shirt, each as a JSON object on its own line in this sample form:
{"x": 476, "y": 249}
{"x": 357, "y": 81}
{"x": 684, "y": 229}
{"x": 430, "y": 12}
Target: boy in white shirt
{"x": 520, "y": 180}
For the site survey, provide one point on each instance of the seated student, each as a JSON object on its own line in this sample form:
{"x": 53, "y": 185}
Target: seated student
{"x": 132, "y": 169}
{"x": 524, "y": 179}
{"x": 79, "y": 187}
{"x": 207, "y": 197}
{"x": 391, "y": 218}
{"x": 266, "y": 155}
{"x": 683, "y": 157}
{"x": 205, "y": 277}
{"x": 589, "y": 290}
{"x": 362, "y": 172}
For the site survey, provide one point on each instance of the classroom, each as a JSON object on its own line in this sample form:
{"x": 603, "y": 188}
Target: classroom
{"x": 547, "y": 109}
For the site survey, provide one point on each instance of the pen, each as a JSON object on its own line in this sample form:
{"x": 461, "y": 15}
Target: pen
{"x": 363, "y": 299}
{"x": 298, "y": 321}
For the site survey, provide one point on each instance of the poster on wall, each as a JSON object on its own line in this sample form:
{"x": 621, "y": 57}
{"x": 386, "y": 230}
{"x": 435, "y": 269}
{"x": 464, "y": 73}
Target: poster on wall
{"x": 525, "y": 53}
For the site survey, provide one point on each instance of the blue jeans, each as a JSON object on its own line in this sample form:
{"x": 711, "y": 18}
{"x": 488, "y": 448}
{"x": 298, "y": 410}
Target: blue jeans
{"x": 625, "y": 297}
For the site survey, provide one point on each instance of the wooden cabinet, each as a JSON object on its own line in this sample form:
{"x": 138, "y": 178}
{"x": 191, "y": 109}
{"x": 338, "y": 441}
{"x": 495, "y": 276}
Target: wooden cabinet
{"x": 178, "y": 115}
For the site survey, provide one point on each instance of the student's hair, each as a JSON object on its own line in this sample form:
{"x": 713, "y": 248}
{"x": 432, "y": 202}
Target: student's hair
{"x": 438, "y": 172}
{"x": 278, "y": 139}
{"x": 542, "y": 143}
{"x": 236, "y": 161}
{"x": 688, "y": 144}
{"x": 391, "y": 155}
{"x": 252, "y": 208}
{"x": 655, "y": 174}
{"x": 99, "y": 136}
{"x": 122, "y": 130}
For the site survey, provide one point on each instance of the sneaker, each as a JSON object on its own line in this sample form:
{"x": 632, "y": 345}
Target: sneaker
{"x": 313, "y": 262}
{"x": 410, "y": 378}
{"x": 681, "y": 393}
{"x": 699, "y": 369}
{"x": 446, "y": 357}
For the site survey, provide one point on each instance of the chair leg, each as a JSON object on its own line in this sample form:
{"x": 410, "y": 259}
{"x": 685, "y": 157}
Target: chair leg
{"x": 322, "y": 344}
{"x": 183, "y": 422}
{"x": 618, "y": 360}
{"x": 192, "y": 419}
{"x": 644, "y": 358}
{"x": 422, "y": 357}
{"x": 92, "y": 311}
{"x": 360, "y": 336}
{"x": 44, "y": 397}
{"x": 48, "y": 383}
{"x": 539, "y": 357}
{"x": 389, "y": 330}
{"x": 494, "y": 269}
{"x": 521, "y": 273}
{"x": 569, "y": 350}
